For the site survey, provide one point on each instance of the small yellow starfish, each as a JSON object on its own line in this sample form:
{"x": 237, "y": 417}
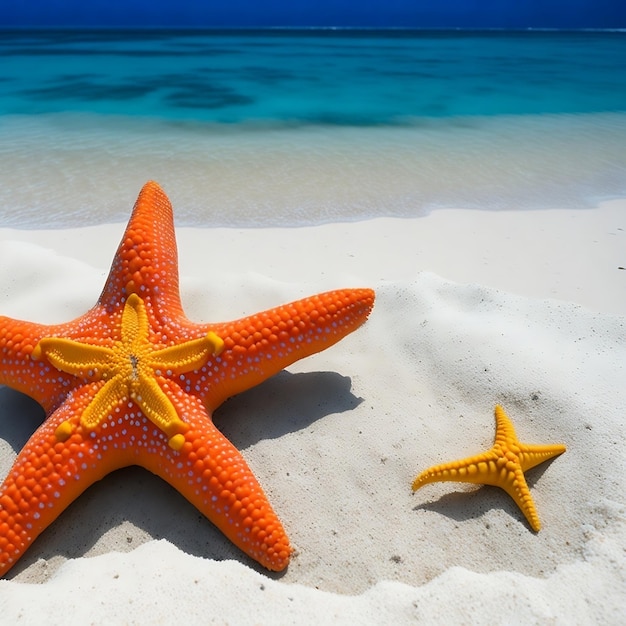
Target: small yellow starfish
{"x": 501, "y": 466}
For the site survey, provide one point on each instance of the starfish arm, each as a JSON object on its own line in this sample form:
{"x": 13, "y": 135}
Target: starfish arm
{"x": 72, "y": 357}
{"x": 190, "y": 355}
{"x": 146, "y": 261}
{"x": 531, "y": 455}
{"x": 515, "y": 485}
{"x": 17, "y": 341}
{"x": 474, "y": 469}
{"x": 211, "y": 473}
{"x": 135, "y": 324}
{"x": 157, "y": 407}
{"x": 505, "y": 431}
{"x": 46, "y": 477}
{"x": 19, "y": 371}
{"x": 261, "y": 345}
{"x": 104, "y": 401}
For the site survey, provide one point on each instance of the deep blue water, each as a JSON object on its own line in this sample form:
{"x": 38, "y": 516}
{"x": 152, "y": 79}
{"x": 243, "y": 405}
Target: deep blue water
{"x": 559, "y": 14}
{"x": 328, "y": 77}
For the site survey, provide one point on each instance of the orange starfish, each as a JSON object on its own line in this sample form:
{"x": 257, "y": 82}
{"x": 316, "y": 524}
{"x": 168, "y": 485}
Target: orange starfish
{"x": 134, "y": 382}
{"x": 502, "y": 466}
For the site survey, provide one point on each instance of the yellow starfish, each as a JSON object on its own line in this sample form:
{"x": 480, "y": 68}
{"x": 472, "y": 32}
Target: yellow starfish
{"x": 501, "y": 466}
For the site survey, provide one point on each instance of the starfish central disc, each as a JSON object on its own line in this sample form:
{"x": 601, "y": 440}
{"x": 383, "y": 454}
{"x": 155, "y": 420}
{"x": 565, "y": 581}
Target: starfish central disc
{"x": 129, "y": 369}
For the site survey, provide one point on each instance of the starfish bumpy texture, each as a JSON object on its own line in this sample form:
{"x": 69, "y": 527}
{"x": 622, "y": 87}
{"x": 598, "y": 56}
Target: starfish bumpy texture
{"x": 134, "y": 382}
{"x": 501, "y": 466}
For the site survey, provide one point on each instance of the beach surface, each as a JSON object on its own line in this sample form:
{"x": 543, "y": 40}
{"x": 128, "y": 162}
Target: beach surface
{"x": 526, "y": 309}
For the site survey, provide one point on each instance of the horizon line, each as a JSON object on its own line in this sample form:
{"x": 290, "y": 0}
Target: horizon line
{"x": 195, "y": 28}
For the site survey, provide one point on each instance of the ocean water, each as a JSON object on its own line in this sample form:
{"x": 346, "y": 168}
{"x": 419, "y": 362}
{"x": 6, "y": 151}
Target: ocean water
{"x": 303, "y": 127}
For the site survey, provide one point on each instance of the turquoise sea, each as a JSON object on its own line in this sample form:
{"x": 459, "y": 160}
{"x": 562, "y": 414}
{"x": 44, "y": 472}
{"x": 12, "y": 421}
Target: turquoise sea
{"x": 250, "y": 128}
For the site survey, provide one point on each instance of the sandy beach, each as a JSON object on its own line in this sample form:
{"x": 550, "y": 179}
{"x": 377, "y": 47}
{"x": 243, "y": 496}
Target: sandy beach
{"x": 526, "y": 309}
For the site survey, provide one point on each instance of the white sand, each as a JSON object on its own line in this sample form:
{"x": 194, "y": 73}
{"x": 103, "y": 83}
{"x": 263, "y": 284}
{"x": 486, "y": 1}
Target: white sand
{"x": 525, "y": 309}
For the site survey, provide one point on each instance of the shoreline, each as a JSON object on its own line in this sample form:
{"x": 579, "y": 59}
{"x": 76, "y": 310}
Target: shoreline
{"x": 571, "y": 255}
{"x": 89, "y": 167}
